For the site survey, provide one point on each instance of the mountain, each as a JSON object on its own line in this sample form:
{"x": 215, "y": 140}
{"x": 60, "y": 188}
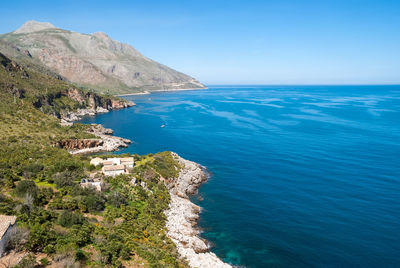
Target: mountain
{"x": 95, "y": 60}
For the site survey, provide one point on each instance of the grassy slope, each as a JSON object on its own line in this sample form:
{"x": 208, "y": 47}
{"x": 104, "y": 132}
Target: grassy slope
{"x": 39, "y": 183}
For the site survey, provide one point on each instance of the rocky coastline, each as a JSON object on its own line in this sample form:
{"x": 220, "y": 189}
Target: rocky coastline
{"x": 104, "y": 142}
{"x": 182, "y": 214}
{"x": 182, "y": 217}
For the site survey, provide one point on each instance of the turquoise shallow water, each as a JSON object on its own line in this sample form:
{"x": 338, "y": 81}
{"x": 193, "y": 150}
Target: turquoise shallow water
{"x": 301, "y": 176}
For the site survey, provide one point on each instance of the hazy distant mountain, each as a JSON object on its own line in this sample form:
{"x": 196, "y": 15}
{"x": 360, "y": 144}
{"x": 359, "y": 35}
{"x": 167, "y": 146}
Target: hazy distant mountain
{"x": 95, "y": 60}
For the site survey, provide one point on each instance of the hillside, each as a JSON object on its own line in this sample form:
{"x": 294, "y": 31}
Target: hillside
{"x": 95, "y": 60}
{"x": 59, "y": 223}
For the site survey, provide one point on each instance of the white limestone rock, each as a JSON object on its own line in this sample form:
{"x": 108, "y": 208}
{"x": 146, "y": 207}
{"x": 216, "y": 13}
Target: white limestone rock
{"x": 182, "y": 217}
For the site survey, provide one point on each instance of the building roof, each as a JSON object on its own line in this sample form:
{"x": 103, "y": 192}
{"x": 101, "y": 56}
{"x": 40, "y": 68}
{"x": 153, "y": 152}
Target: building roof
{"x": 108, "y": 163}
{"x": 5, "y": 222}
{"x": 114, "y": 168}
{"x": 96, "y": 160}
{"x": 115, "y": 159}
{"x": 127, "y": 159}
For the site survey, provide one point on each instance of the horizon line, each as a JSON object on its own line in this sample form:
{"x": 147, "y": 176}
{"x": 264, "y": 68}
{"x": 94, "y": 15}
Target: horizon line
{"x": 228, "y": 84}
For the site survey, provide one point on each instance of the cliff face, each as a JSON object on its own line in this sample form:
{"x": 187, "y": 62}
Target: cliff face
{"x": 105, "y": 142}
{"x": 96, "y": 60}
{"x": 88, "y": 103}
{"x": 95, "y": 101}
{"x": 71, "y": 144}
{"x": 50, "y": 94}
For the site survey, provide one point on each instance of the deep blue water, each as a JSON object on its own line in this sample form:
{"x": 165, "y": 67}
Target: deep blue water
{"x": 302, "y": 176}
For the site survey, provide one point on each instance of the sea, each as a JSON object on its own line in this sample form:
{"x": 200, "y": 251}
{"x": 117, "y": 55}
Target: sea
{"x": 301, "y": 176}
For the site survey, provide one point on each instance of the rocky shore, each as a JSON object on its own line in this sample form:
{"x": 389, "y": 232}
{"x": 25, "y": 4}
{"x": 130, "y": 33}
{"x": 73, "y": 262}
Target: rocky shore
{"x": 68, "y": 117}
{"x": 95, "y": 104}
{"x": 182, "y": 217}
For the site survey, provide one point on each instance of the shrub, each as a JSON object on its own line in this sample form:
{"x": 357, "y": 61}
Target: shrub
{"x": 65, "y": 260}
{"x": 26, "y": 187}
{"x": 82, "y": 235}
{"x": 49, "y": 249}
{"x": 41, "y": 235}
{"x": 44, "y": 261}
{"x": 125, "y": 253}
{"x": 94, "y": 202}
{"x": 165, "y": 164}
{"x": 44, "y": 196}
{"x": 32, "y": 169}
{"x": 8, "y": 177}
{"x": 117, "y": 199}
{"x": 68, "y": 218}
{"x": 28, "y": 261}
{"x": 7, "y": 205}
{"x": 80, "y": 255}
{"x": 65, "y": 178}
{"x": 67, "y": 164}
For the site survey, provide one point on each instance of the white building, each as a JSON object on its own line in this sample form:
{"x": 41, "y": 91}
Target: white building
{"x": 7, "y": 223}
{"x": 97, "y": 184}
{"x": 114, "y": 166}
{"x": 114, "y": 170}
{"x": 96, "y": 161}
{"x": 128, "y": 162}
{"x": 115, "y": 161}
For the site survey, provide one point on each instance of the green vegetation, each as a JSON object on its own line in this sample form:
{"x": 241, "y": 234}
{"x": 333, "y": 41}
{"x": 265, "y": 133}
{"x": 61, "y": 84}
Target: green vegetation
{"x": 39, "y": 184}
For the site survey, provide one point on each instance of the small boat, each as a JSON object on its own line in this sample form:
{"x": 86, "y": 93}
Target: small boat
{"x": 162, "y": 125}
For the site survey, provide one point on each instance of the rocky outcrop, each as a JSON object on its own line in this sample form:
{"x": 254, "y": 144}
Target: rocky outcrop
{"x": 12, "y": 67}
{"x": 17, "y": 92}
{"x": 78, "y": 144}
{"x": 106, "y": 142}
{"x": 118, "y": 104}
{"x": 93, "y": 103}
{"x": 182, "y": 217}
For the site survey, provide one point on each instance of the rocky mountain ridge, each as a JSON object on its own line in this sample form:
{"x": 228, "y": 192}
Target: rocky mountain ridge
{"x": 95, "y": 60}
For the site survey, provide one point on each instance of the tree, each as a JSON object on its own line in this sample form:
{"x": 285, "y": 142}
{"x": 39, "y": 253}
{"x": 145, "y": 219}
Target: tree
{"x": 32, "y": 169}
{"x": 94, "y": 202}
{"x": 68, "y": 218}
{"x": 117, "y": 199}
{"x": 65, "y": 178}
{"x": 26, "y": 187}
{"x": 40, "y": 236}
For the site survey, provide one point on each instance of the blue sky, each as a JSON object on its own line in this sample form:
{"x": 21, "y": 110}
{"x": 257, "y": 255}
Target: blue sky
{"x": 242, "y": 42}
